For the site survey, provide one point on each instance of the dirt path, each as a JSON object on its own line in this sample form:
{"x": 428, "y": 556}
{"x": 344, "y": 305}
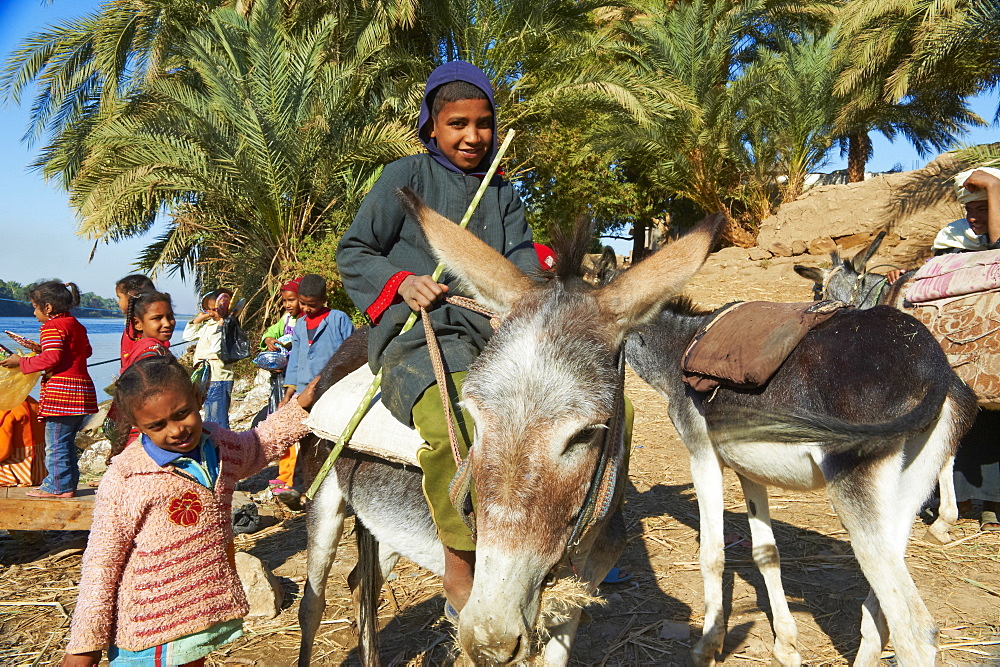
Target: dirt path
{"x": 650, "y": 620}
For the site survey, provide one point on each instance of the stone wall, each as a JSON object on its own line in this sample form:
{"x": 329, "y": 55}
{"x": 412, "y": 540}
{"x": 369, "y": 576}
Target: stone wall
{"x": 911, "y": 206}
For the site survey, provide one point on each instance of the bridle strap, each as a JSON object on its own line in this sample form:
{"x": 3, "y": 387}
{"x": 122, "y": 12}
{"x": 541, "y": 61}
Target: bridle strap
{"x": 601, "y": 493}
{"x": 460, "y": 488}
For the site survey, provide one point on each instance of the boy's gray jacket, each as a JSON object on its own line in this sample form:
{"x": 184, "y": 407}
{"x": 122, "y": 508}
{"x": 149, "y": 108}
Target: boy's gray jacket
{"x": 383, "y": 240}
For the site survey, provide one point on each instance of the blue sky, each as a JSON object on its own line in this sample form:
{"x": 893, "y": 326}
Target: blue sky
{"x": 38, "y": 239}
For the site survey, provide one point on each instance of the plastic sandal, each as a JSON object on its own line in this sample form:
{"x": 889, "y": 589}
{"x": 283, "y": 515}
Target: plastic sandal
{"x": 290, "y": 498}
{"x": 988, "y": 522}
{"x": 617, "y": 576}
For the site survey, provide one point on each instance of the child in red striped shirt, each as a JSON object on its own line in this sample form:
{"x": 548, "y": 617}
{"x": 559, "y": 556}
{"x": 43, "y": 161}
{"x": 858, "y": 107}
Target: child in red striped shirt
{"x": 67, "y": 395}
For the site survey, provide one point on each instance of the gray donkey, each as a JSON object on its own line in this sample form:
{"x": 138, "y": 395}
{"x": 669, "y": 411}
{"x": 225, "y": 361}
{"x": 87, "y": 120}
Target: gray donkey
{"x": 866, "y": 406}
{"x": 849, "y": 280}
{"x": 541, "y": 395}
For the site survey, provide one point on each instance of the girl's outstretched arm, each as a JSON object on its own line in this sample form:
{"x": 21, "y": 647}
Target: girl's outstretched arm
{"x": 52, "y": 351}
{"x": 274, "y": 436}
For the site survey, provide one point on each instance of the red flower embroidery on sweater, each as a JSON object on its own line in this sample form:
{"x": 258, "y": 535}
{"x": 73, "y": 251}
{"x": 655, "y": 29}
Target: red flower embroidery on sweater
{"x": 184, "y": 511}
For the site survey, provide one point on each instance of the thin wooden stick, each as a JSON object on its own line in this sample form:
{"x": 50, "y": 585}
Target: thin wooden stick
{"x": 957, "y": 542}
{"x": 362, "y": 409}
{"x": 949, "y": 647}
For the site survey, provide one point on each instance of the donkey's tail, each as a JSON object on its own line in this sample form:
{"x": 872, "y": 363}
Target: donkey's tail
{"x": 366, "y": 585}
{"x": 738, "y": 424}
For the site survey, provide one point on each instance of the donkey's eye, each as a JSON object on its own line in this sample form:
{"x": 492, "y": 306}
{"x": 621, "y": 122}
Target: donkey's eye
{"x": 583, "y": 437}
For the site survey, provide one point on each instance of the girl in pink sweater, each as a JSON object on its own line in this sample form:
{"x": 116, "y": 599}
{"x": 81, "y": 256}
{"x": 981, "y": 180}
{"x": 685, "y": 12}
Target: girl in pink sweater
{"x": 159, "y": 583}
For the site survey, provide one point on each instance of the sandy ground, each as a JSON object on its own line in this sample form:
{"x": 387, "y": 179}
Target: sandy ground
{"x": 652, "y": 619}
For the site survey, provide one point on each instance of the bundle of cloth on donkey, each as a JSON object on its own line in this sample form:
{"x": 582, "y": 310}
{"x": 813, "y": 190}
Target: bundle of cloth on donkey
{"x": 22, "y": 445}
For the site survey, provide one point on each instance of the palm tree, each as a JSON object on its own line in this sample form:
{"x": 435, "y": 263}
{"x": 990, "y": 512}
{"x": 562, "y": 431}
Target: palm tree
{"x": 799, "y": 130}
{"x": 84, "y": 65}
{"x": 712, "y": 62}
{"x": 908, "y": 68}
{"x": 255, "y": 144}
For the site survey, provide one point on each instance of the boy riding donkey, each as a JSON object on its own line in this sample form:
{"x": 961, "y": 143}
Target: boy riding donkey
{"x": 385, "y": 264}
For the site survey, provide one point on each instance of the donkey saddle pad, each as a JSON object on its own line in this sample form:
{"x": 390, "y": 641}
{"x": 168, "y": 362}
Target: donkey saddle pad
{"x": 379, "y": 433}
{"x": 745, "y": 343}
{"x": 955, "y": 274}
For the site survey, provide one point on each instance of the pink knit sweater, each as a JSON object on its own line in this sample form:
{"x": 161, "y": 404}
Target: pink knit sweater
{"x": 160, "y": 559}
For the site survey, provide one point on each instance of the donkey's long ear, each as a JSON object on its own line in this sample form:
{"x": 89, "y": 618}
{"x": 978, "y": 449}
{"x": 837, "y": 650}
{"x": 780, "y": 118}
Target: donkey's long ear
{"x": 813, "y": 273}
{"x": 859, "y": 261}
{"x": 492, "y": 278}
{"x": 637, "y": 295}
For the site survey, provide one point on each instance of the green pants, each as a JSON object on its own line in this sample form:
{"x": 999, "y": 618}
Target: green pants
{"x": 438, "y": 463}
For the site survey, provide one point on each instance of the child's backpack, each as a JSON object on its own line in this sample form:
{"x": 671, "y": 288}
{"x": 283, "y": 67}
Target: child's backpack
{"x": 235, "y": 344}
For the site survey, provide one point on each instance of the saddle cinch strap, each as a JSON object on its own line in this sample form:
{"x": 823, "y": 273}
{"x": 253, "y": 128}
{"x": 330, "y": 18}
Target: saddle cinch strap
{"x": 600, "y": 495}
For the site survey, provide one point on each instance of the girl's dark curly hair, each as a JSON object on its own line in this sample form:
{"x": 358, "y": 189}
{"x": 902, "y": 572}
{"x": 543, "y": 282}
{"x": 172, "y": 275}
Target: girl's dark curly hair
{"x": 135, "y": 282}
{"x": 61, "y": 296}
{"x": 146, "y": 378}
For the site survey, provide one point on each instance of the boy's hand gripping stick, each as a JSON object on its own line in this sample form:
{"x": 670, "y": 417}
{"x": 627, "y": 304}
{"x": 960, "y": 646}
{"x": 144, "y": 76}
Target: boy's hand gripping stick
{"x": 362, "y": 410}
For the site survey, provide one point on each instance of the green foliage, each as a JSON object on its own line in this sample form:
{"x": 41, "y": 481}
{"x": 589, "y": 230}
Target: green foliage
{"x": 713, "y": 111}
{"x": 319, "y": 256}
{"x": 255, "y": 144}
{"x": 567, "y": 179}
{"x": 254, "y": 129}
{"x": 908, "y": 67}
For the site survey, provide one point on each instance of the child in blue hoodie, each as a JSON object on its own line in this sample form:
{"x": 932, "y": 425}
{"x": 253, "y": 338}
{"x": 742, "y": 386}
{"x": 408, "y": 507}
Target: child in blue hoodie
{"x": 385, "y": 263}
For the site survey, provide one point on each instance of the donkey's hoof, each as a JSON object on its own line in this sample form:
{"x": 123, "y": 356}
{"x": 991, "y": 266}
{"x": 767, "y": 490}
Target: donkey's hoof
{"x": 702, "y": 655}
{"x": 785, "y": 656}
{"x": 702, "y": 661}
{"x": 932, "y": 536}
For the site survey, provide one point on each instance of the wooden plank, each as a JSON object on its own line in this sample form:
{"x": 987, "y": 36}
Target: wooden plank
{"x": 21, "y": 512}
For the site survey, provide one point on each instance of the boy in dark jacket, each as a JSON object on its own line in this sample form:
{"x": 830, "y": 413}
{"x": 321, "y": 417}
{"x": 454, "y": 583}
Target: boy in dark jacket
{"x": 385, "y": 263}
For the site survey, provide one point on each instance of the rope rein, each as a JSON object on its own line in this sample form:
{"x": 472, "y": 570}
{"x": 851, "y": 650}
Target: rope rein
{"x": 460, "y": 488}
{"x": 601, "y": 492}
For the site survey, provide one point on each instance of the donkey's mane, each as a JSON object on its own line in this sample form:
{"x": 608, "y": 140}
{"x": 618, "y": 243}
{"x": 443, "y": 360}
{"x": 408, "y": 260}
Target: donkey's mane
{"x": 685, "y": 305}
{"x": 570, "y": 247}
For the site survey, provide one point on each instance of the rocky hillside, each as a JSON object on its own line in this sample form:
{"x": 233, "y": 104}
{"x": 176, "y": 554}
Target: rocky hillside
{"x": 911, "y": 206}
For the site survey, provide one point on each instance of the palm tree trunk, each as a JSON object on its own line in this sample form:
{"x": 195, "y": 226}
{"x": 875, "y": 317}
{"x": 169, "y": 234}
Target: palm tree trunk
{"x": 859, "y": 150}
{"x": 733, "y": 233}
{"x": 639, "y": 240}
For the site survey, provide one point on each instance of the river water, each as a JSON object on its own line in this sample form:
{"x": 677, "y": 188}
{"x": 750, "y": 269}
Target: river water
{"x": 105, "y": 336}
